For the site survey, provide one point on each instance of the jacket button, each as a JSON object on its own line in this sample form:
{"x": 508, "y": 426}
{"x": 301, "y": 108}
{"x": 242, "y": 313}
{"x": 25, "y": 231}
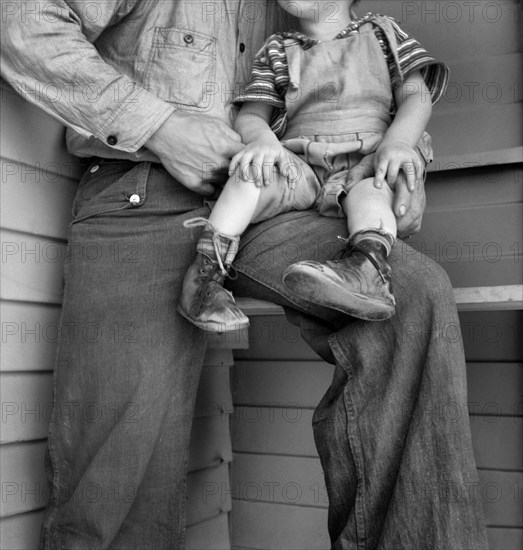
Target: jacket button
{"x": 242, "y": 47}
{"x": 112, "y": 140}
{"x": 188, "y": 38}
{"x": 134, "y": 200}
{"x": 94, "y": 168}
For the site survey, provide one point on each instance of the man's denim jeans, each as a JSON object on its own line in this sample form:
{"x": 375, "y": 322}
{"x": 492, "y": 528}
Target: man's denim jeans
{"x": 399, "y": 469}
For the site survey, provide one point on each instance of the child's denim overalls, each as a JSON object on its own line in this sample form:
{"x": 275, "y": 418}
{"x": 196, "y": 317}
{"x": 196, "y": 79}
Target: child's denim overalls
{"x": 338, "y": 105}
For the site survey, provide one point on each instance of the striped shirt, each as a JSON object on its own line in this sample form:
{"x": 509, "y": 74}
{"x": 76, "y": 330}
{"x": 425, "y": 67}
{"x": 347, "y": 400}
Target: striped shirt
{"x": 270, "y": 73}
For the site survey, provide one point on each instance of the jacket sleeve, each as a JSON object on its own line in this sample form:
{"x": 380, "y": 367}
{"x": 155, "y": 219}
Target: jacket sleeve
{"x": 47, "y": 55}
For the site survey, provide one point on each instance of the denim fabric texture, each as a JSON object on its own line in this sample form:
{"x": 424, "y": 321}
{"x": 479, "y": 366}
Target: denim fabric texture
{"x": 399, "y": 467}
{"x": 398, "y": 470}
{"x": 128, "y": 365}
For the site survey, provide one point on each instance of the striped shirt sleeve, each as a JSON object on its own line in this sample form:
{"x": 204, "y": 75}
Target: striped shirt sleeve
{"x": 269, "y": 77}
{"x": 269, "y": 81}
{"x": 413, "y": 57}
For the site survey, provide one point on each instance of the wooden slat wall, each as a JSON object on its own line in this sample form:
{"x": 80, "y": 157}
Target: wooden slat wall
{"x": 37, "y": 187}
{"x": 473, "y": 224}
{"x": 481, "y": 43}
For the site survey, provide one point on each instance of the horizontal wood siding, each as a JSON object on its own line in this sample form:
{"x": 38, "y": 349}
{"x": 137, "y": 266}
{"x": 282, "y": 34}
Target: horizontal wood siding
{"x": 18, "y": 532}
{"x": 478, "y": 119}
{"x": 473, "y": 225}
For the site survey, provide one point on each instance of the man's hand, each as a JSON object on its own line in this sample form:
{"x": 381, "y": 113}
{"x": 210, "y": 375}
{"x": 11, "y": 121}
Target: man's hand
{"x": 408, "y": 206}
{"x": 411, "y": 203}
{"x": 195, "y": 149}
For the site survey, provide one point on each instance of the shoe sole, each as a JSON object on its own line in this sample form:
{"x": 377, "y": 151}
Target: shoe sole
{"x": 358, "y": 307}
{"x": 214, "y": 328}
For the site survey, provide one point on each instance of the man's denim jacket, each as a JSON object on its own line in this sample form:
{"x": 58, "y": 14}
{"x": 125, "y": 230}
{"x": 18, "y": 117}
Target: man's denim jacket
{"x": 113, "y": 71}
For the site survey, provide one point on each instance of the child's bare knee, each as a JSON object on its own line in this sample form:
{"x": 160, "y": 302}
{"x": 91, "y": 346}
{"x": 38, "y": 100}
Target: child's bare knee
{"x": 242, "y": 178}
{"x": 365, "y": 190}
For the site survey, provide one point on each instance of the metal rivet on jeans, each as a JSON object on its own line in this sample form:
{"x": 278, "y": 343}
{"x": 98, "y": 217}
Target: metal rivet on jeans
{"x": 94, "y": 168}
{"x": 134, "y": 200}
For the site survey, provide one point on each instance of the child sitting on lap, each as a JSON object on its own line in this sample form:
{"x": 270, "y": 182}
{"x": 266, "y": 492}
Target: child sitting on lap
{"x": 319, "y": 100}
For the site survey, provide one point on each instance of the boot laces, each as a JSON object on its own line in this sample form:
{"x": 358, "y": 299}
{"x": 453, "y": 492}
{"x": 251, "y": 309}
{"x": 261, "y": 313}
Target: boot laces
{"x": 350, "y": 246}
{"x": 217, "y": 251}
{"x": 225, "y": 269}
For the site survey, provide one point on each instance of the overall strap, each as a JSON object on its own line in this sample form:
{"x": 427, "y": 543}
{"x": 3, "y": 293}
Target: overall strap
{"x": 385, "y": 24}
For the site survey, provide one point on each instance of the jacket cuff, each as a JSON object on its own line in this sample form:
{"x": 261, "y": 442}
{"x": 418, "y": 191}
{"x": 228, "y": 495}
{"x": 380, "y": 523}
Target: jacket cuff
{"x": 138, "y": 118}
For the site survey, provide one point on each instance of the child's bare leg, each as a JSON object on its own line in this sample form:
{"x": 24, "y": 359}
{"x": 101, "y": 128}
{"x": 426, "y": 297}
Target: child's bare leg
{"x": 370, "y": 209}
{"x": 204, "y": 302}
{"x": 358, "y": 284}
{"x": 235, "y": 207}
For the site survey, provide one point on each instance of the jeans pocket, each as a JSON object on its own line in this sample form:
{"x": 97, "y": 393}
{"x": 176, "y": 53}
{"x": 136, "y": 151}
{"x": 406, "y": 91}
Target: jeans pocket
{"x": 109, "y": 186}
{"x": 181, "y": 66}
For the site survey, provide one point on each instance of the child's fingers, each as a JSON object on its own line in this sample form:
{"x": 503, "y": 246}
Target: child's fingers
{"x": 411, "y": 174}
{"x": 268, "y": 173}
{"x": 242, "y": 167}
{"x": 393, "y": 169}
{"x": 246, "y": 167}
{"x": 283, "y": 163}
{"x": 381, "y": 172}
{"x": 235, "y": 161}
{"x": 239, "y": 162}
{"x": 258, "y": 166}
{"x": 254, "y": 175}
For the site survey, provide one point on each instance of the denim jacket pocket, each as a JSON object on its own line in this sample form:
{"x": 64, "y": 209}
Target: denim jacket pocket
{"x": 181, "y": 67}
{"x": 109, "y": 186}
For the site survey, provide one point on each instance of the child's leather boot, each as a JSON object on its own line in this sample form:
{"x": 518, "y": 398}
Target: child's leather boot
{"x": 204, "y": 302}
{"x": 358, "y": 284}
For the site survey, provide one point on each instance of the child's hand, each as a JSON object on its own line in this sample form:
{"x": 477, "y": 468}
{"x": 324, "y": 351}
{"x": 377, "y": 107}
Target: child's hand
{"x": 257, "y": 160}
{"x": 390, "y": 158}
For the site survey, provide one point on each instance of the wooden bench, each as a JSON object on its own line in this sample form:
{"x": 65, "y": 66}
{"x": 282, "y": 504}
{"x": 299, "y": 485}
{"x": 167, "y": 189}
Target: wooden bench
{"x": 476, "y": 298}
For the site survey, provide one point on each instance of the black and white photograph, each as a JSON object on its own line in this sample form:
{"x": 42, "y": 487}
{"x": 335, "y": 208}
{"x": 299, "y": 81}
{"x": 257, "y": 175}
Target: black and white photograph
{"x": 261, "y": 284}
